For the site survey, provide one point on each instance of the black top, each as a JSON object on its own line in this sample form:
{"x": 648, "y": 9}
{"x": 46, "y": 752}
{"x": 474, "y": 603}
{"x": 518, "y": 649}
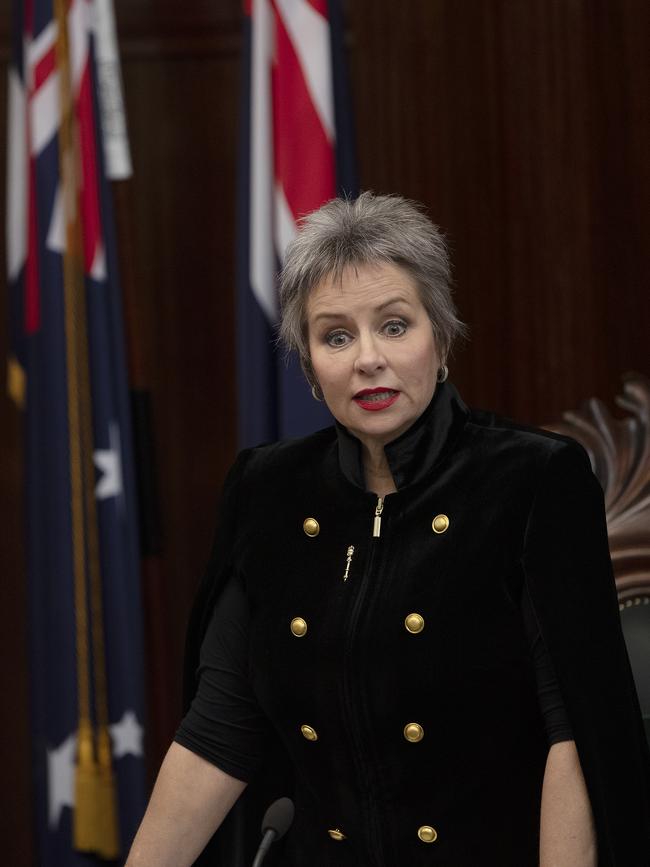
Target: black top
{"x": 225, "y": 724}
{"x": 329, "y": 710}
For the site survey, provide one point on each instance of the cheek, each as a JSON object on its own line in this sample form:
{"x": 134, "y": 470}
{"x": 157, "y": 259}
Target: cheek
{"x": 421, "y": 365}
{"x": 429, "y": 354}
{"x": 327, "y": 369}
{"x": 334, "y": 377}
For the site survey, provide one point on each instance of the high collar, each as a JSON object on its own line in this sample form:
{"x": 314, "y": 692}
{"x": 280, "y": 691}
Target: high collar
{"x": 415, "y": 452}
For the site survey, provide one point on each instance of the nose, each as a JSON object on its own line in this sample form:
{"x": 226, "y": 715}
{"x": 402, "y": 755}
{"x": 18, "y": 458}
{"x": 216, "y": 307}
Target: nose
{"x": 370, "y": 358}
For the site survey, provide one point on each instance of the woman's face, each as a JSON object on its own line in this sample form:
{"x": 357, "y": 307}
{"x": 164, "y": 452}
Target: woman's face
{"x": 372, "y": 350}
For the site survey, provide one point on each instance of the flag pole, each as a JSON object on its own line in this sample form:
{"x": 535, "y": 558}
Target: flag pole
{"x": 95, "y": 816}
{"x": 85, "y": 771}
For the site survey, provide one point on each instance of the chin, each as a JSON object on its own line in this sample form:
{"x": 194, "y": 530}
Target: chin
{"x": 383, "y": 429}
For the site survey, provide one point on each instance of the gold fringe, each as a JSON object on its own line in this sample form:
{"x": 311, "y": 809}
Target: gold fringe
{"x": 108, "y": 833}
{"x": 95, "y": 826}
{"x": 16, "y": 381}
{"x": 86, "y": 791}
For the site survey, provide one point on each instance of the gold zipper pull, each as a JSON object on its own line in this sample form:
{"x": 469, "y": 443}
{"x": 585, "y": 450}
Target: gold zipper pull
{"x": 349, "y": 554}
{"x": 376, "y": 527}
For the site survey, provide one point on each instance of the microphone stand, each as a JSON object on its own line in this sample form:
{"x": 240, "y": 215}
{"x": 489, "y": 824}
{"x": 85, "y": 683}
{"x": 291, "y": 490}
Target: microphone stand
{"x": 265, "y": 845}
{"x": 275, "y": 824}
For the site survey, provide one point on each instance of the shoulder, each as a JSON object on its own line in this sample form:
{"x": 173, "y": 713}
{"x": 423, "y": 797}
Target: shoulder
{"x": 502, "y": 438}
{"x": 285, "y": 460}
{"x": 519, "y": 460}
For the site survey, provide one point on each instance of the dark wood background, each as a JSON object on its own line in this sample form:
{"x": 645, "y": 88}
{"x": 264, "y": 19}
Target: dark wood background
{"x": 524, "y": 127}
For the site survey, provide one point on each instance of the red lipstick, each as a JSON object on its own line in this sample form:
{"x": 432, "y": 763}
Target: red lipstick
{"x": 374, "y": 399}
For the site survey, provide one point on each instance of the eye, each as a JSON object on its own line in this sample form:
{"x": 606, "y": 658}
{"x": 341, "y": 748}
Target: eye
{"x": 394, "y": 328}
{"x": 336, "y": 339}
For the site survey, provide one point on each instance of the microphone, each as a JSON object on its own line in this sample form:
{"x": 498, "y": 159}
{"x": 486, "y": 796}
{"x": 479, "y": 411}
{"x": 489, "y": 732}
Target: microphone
{"x": 275, "y": 824}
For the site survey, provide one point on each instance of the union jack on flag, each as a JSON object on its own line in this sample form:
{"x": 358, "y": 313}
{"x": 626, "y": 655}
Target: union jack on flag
{"x": 297, "y": 153}
{"x": 67, "y": 371}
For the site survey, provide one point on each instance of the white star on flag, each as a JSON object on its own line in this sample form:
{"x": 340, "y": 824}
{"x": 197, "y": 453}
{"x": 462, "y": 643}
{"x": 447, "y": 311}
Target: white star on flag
{"x": 60, "y": 778}
{"x": 109, "y": 463}
{"x": 126, "y": 737}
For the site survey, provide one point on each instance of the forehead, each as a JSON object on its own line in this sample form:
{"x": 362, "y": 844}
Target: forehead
{"x": 366, "y": 285}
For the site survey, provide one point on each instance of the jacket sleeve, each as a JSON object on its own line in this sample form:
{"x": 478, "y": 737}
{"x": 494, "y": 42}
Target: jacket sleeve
{"x": 569, "y": 577}
{"x": 215, "y": 576}
{"x": 235, "y": 843}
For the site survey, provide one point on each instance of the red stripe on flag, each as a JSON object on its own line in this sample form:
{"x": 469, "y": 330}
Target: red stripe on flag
{"x": 248, "y": 7}
{"x": 89, "y": 194}
{"x": 45, "y": 66}
{"x": 29, "y": 17}
{"x": 303, "y": 156}
{"x": 320, "y": 6}
{"x": 32, "y": 309}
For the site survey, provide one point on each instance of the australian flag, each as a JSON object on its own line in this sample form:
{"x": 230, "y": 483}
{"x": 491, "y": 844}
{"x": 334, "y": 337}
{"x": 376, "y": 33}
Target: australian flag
{"x": 67, "y": 370}
{"x": 297, "y": 153}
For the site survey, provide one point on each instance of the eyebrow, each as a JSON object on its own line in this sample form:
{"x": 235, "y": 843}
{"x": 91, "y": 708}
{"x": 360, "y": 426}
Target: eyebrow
{"x": 397, "y": 299}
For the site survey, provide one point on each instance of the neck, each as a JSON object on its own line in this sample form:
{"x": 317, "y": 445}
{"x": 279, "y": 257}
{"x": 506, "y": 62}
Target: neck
{"x": 376, "y": 469}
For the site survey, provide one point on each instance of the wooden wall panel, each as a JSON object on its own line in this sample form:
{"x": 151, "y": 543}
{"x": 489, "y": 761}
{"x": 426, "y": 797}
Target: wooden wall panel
{"x": 16, "y": 845}
{"x": 176, "y": 225}
{"x": 524, "y": 127}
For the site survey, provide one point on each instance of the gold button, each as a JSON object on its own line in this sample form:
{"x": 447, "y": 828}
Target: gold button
{"x": 311, "y": 527}
{"x": 413, "y": 732}
{"x": 427, "y": 834}
{"x": 414, "y": 623}
{"x": 336, "y": 834}
{"x": 298, "y": 627}
{"x": 309, "y": 733}
{"x": 440, "y": 523}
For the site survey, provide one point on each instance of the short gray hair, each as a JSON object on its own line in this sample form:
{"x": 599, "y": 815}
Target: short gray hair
{"x": 369, "y": 230}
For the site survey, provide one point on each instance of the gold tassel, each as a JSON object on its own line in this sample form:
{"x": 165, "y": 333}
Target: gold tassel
{"x": 16, "y": 381}
{"x": 108, "y": 835}
{"x": 86, "y": 789}
{"x": 95, "y": 827}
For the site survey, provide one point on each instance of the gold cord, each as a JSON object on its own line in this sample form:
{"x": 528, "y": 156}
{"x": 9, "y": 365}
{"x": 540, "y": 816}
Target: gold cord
{"x": 95, "y": 815}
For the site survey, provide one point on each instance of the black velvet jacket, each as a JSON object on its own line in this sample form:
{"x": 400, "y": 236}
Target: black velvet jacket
{"x": 483, "y": 508}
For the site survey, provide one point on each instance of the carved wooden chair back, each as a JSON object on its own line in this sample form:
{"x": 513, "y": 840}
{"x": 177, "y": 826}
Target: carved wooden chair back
{"x": 619, "y": 449}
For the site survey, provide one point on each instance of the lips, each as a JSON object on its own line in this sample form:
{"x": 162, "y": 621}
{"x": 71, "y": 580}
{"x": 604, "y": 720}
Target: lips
{"x": 375, "y": 399}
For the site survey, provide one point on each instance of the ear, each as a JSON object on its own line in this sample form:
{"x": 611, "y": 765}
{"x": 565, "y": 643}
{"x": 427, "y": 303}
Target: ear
{"x": 308, "y": 370}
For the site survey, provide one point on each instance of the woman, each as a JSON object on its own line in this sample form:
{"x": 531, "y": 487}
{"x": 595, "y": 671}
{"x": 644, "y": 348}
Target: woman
{"x": 409, "y": 622}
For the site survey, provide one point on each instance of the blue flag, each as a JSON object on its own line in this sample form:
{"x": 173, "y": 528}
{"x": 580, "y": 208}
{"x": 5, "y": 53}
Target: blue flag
{"x": 67, "y": 371}
{"x": 296, "y": 154}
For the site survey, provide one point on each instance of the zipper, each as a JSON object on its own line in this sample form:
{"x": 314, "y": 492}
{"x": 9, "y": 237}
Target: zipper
{"x": 376, "y": 833}
{"x": 348, "y": 562}
{"x": 376, "y": 527}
